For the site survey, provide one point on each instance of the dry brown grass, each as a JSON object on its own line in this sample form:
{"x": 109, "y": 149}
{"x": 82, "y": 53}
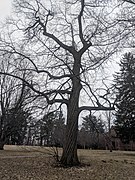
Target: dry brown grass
{"x": 36, "y": 163}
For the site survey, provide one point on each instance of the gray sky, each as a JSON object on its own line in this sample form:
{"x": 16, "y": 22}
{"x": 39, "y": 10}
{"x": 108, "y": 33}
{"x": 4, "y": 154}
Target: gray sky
{"x": 5, "y": 8}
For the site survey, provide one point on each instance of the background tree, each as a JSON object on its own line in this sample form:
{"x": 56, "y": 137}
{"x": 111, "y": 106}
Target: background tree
{"x": 19, "y": 119}
{"x": 48, "y": 131}
{"x": 63, "y": 43}
{"x": 59, "y": 129}
{"x": 14, "y": 112}
{"x": 91, "y": 132}
{"x": 93, "y": 124}
{"x": 32, "y": 133}
{"x": 52, "y": 129}
{"x": 125, "y": 100}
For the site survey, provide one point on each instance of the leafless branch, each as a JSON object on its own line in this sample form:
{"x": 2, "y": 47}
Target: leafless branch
{"x": 99, "y": 108}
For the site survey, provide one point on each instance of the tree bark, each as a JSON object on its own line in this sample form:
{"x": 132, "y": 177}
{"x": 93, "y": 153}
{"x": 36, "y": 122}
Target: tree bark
{"x": 69, "y": 156}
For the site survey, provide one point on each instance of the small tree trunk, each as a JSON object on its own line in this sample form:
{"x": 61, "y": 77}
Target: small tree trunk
{"x": 1, "y": 145}
{"x": 41, "y": 141}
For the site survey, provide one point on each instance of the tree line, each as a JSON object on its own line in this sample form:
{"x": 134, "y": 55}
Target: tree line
{"x": 49, "y": 130}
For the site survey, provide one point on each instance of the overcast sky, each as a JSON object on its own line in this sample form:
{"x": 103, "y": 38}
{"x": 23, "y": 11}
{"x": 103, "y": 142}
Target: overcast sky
{"x": 5, "y": 9}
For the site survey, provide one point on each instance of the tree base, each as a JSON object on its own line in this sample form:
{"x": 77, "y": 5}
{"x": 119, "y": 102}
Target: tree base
{"x": 69, "y": 162}
{"x": 67, "y": 165}
{"x": 80, "y": 165}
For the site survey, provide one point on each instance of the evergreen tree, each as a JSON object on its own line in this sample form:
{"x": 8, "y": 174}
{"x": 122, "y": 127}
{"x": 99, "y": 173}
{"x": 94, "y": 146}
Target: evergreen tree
{"x": 89, "y": 135}
{"x": 52, "y": 128}
{"x": 92, "y": 124}
{"x": 125, "y": 99}
{"x": 17, "y": 127}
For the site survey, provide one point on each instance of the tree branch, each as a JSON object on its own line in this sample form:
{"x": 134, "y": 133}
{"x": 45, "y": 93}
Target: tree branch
{"x": 27, "y": 83}
{"x": 37, "y": 91}
{"x": 49, "y": 74}
{"x": 58, "y": 92}
{"x": 129, "y": 1}
{"x": 51, "y": 36}
{"x": 80, "y": 23}
{"x": 62, "y": 101}
{"x": 98, "y": 108}
{"x": 86, "y": 44}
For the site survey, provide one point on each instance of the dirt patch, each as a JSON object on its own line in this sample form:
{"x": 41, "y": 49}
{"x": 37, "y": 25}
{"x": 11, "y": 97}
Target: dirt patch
{"x": 35, "y": 165}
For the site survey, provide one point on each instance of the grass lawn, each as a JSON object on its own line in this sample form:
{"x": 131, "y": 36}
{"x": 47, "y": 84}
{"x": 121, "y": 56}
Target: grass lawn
{"x": 37, "y": 163}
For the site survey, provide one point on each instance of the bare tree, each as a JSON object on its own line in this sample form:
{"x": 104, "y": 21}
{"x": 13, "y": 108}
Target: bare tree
{"x": 14, "y": 114}
{"x": 63, "y": 42}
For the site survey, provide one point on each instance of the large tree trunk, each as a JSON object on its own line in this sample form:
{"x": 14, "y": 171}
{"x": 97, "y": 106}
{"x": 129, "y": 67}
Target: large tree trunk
{"x": 69, "y": 156}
